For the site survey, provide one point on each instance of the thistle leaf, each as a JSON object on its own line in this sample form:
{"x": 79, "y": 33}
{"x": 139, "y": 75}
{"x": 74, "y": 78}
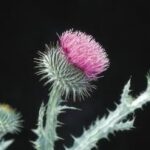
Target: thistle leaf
{"x": 114, "y": 121}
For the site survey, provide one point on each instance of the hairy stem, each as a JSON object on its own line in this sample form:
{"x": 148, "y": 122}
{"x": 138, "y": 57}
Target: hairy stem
{"x": 51, "y": 117}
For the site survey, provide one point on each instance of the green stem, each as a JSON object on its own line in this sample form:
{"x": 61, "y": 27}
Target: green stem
{"x": 51, "y": 118}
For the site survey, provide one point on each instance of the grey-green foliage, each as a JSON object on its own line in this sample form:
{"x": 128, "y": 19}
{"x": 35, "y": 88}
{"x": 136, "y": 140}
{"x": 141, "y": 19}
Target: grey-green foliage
{"x": 65, "y": 79}
{"x": 116, "y": 120}
{"x": 68, "y": 80}
{"x": 47, "y": 132}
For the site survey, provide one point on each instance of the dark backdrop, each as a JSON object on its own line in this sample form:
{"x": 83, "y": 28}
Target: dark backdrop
{"x": 121, "y": 26}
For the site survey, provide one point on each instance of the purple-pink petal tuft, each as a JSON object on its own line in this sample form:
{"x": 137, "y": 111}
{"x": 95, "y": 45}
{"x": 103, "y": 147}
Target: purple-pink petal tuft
{"x": 84, "y": 52}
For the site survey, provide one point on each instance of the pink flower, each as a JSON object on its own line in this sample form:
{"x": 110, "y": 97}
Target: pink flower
{"x": 84, "y": 52}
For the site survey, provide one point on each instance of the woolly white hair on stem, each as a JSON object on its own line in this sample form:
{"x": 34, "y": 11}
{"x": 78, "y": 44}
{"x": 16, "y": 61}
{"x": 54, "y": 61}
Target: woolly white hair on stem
{"x": 69, "y": 79}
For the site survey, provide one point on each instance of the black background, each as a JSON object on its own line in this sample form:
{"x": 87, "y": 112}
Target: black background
{"x": 121, "y": 26}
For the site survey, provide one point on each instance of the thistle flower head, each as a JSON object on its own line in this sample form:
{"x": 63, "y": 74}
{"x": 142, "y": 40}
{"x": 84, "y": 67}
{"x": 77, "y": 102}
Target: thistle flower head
{"x": 84, "y": 52}
{"x": 73, "y": 63}
{"x": 9, "y": 120}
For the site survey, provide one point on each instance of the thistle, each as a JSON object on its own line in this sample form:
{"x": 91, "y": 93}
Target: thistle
{"x": 10, "y": 122}
{"x": 9, "y": 119}
{"x": 76, "y": 61}
{"x": 70, "y": 67}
